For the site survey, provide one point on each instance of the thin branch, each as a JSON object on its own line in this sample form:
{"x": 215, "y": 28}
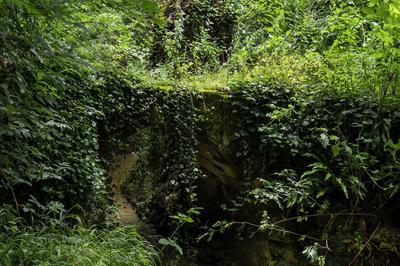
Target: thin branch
{"x": 328, "y": 214}
{"x": 366, "y": 243}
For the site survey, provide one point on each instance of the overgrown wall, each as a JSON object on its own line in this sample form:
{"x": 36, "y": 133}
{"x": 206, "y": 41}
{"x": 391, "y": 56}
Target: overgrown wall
{"x": 320, "y": 165}
{"x": 268, "y": 152}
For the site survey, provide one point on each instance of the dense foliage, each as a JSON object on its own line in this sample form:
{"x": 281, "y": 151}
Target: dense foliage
{"x": 50, "y": 98}
{"x": 306, "y": 155}
{"x": 310, "y": 91}
{"x": 161, "y": 125}
{"x": 50, "y": 167}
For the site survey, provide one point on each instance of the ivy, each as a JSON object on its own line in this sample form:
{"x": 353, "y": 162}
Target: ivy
{"x": 305, "y": 153}
{"x": 163, "y": 126}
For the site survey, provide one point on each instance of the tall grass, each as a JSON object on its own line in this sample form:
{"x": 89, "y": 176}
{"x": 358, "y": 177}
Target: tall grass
{"x": 82, "y": 246}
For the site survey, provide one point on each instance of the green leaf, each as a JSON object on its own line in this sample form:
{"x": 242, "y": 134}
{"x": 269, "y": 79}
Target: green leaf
{"x": 328, "y": 176}
{"x": 164, "y": 242}
{"x": 321, "y": 192}
{"x": 183, "y": 218}
{"x": 172, "y": 243}
{"x": 335, "y": 150}
{"x": 324, "y": 140}
{"x": 348, "y": 150}
{"x": 343, "y": 187}
{"x": 150, "y": 6}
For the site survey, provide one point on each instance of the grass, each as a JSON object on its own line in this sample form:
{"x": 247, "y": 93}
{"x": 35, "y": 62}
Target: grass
{"x": 289, "y": 69}
{"x": 82, "y": 246}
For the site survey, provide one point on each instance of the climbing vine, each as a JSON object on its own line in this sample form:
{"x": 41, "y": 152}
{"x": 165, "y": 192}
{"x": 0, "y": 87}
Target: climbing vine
{"x": 302, "y": 154}
{"x": 162, "y": 127}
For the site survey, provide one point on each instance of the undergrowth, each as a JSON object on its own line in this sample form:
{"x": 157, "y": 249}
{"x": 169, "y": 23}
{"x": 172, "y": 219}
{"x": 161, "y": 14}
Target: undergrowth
{"x": 78, "y": 246}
